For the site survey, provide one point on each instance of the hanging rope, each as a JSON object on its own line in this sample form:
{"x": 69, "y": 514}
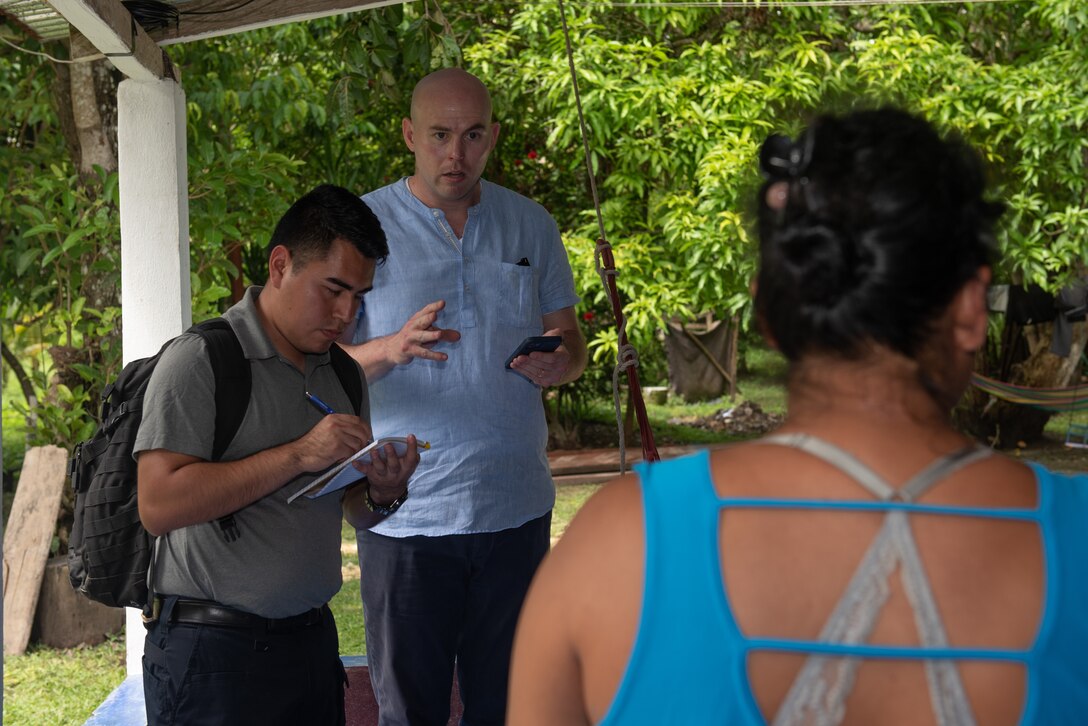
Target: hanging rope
{"x": 626, "y": 355}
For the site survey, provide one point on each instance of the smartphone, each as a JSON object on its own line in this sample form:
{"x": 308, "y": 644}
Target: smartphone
{"x": 540, "y": 343}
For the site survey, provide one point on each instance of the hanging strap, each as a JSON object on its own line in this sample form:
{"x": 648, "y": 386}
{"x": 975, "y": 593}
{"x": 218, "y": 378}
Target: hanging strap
{"x": 626, "y": 355}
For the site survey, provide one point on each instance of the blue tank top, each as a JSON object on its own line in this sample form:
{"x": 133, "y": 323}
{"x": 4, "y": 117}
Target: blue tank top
{"x": 689, "y": 660}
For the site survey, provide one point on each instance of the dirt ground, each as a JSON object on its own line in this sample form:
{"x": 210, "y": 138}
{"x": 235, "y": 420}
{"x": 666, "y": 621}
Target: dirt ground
{"x": 1054, "y": 455}
{"x": 749, "y": 419}
{"x": 745, "y": 418}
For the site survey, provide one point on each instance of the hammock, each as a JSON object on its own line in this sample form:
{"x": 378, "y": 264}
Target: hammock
{"x": 1048, "y": 399}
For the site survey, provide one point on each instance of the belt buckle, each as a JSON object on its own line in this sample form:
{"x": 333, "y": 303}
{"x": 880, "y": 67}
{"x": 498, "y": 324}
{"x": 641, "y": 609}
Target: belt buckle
{"x": 295, "y": 622}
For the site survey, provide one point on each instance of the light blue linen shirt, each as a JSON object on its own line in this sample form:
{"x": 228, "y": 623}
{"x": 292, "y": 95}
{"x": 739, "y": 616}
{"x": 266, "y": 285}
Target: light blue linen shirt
{"x": 486, "y": 470}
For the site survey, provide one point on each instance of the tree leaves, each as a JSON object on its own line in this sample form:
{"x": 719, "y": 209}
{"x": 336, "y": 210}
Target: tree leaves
{"x": 676, "y": 101}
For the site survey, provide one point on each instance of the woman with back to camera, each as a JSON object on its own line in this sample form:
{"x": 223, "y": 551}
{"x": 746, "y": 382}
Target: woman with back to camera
{"x": 867, "y": 563}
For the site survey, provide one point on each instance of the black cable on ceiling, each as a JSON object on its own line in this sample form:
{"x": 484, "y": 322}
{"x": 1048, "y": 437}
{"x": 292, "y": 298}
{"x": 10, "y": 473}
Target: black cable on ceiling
{"x": 151, "y": 14}
{"x": 157, "y": 15}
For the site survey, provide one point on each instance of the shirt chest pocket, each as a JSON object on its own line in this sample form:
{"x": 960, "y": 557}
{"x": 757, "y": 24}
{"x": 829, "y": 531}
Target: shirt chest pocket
{"x": 516, "y": 300}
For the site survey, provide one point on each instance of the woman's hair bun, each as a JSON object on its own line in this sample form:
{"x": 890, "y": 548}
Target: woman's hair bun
{"x": 868, "y": 224}
{"x": 820, "y": 263}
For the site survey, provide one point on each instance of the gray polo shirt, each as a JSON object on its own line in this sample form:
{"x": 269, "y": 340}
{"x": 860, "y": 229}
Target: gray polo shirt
{"x": 287, "y": 557}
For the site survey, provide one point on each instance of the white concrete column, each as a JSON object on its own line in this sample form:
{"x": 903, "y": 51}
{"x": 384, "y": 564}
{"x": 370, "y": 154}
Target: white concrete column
{"x": 155, "y": 290}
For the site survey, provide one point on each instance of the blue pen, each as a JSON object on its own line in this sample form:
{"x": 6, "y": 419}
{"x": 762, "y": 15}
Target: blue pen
{"x": 321, "y": 405}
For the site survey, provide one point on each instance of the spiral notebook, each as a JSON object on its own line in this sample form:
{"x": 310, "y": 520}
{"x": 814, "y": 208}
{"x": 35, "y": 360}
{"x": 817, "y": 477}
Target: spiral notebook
{"x": 344, "y": 473}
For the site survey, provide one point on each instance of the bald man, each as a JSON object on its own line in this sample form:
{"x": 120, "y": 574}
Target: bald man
{"x": 473, "y": 269}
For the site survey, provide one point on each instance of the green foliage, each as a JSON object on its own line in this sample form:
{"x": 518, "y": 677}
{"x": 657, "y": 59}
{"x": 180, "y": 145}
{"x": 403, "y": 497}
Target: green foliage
{"x": 13, "y": 430}
{"x": 257, "y": 120}
{"x": 676, "y": 102}
{"x": 346, "y": 605}
{"x": 62, "y": 246}
{"x": 570, "y": 406}
{"x": 60, "y": 261}
{"x": 1008, "y": 80}
{"x": 390, "y": 48}
{"x": 235, "y": 196}
{"x": 54, "y": 422}
{"x": 265, "y": 127}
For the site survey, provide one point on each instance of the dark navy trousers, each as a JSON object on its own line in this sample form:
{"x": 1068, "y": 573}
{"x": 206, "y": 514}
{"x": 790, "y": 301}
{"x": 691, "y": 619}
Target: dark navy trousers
{"x": 433, "y": 602}
{"x": 197, "y": 675}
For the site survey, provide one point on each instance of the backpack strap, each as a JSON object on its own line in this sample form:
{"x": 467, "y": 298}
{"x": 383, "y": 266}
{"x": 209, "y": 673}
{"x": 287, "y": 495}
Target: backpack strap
{"x": 233, "y": 382}
{"x": 233, "y": 379}
{"x": 347, "y": 370}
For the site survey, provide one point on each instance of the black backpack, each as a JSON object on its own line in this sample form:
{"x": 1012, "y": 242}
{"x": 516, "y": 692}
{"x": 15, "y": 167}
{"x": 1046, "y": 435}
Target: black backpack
{"x": 109, "y": 551}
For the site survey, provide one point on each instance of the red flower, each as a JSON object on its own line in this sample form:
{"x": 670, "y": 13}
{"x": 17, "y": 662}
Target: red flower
{"x": 588, "y": 315}
{"x": 517, "y": 162}
{"x": 531, "y": 154}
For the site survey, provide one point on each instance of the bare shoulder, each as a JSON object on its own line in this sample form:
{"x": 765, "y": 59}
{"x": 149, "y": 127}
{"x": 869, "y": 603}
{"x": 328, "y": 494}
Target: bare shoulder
{"x": 602, "y": 545}
{"x": 578, "y": 623}
{"x": 599, "y": 561}
{"x": 996, "y": 481}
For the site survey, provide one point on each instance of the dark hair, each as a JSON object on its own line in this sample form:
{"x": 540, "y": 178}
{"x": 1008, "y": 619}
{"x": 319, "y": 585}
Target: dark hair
{"x": 323, "y": 215}
{"x": 882, "y": 222}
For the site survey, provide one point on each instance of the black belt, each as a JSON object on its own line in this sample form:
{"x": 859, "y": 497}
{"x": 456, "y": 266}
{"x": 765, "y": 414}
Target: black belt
{"x": 201, "y": 612}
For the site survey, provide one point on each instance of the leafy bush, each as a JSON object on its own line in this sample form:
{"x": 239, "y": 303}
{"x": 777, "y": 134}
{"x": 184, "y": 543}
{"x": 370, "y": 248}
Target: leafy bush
{"x": 676, "y": 101}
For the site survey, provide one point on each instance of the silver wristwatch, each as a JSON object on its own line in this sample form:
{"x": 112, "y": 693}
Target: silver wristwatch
{"x": 385, "y": 509}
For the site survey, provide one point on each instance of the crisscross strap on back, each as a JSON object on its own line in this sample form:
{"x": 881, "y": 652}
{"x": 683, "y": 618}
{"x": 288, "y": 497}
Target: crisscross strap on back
{"x": 818, "y": 694}
{"x": 863, "y": 475}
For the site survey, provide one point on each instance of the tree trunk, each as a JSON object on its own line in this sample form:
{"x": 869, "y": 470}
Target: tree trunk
{"x": 86, "y": 96}
{"x": 85, "y": 99}
{"x": 20, "y": 374}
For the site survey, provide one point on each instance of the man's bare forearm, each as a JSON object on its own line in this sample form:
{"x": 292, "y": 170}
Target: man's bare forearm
{"x": 575, "y": 344}
{"x": 188, "y": 490}
{"x": 372, "y": 356}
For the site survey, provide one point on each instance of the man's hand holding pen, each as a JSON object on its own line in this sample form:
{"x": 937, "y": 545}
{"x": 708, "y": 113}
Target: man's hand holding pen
{"x": 386, "y": 472}
{"x": 335, "y": 437}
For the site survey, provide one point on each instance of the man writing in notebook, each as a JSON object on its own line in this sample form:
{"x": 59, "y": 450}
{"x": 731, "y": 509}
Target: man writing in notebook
{"x": 473, "y": 269}
{"x": 244, "y": 634}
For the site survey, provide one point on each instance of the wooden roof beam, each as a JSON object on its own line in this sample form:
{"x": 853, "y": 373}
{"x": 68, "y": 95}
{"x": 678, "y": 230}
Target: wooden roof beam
{"x": 109, "y": 26}
{"x": 206, "y": 18}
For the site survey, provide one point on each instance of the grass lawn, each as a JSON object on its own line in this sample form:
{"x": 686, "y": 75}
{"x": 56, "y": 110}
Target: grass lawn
{"x": 60, "y": 687}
